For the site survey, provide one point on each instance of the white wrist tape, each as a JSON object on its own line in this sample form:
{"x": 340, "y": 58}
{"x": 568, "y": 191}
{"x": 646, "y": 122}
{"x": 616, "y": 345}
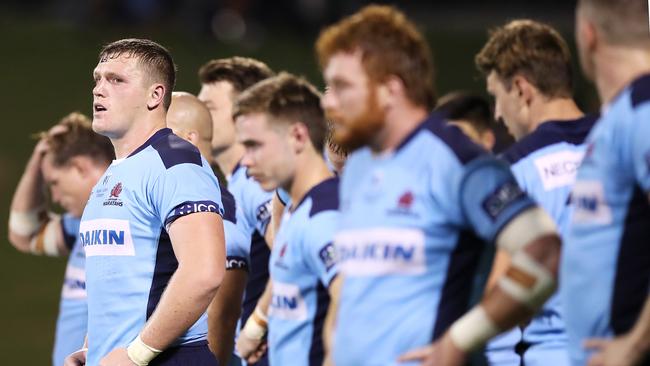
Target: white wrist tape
{"x": 25, "y": 223}
{"x": 253, "y": 328}
{"x": 261, "y": 315}
{"x": 140, "y": 353}
{"x": 473, "y": 329}
{"x": 526, "y": 227}
{"x": 527, "y": 281}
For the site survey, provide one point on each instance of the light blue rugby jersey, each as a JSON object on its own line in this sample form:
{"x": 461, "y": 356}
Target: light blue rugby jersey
{"x": 605, "y": 267}
{"x": 129, "y": 255}
{"x": 235, "y": 234}
{"x": 73, "y": 308}
{"x": 407, "y": 245}
{"x": 254, "y": 208}
{"x": 545, "y": 165}
{"x": 302, "y": 266}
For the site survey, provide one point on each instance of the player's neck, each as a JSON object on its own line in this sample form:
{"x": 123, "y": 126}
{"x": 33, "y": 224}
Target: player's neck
{"x": 137, "y": 135}
{"x": 400, "y": 122}
{"x": 556, "y": 109}
{"x": 310, "y": 171}
{"x": 617, "y": 68}
{"x": 228, "y": 158}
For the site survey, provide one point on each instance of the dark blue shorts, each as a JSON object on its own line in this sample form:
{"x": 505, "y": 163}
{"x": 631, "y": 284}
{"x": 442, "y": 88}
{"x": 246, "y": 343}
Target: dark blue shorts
{"x": 194, "y": 354}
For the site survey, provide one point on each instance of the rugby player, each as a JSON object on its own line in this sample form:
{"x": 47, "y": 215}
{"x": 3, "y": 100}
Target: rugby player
{"x": 68, "y": 159}
{"x": 527, "y": 65}
{"x": 282, "y": 125}
{"x": 605, "y": 269}
{"x": 408, "y": 195}
{"x": 472, "y": 114}
{"x": 152, "y": 229}
{"x": 190, "y": 119}
{"x": 222, "y": 80}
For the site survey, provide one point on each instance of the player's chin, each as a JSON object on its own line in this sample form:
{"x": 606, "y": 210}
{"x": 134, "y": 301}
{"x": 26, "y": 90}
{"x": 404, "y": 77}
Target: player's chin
{"x": 99, "y": 124}
{"x": 350, "y": 140}
{"x": 266, "y": 184}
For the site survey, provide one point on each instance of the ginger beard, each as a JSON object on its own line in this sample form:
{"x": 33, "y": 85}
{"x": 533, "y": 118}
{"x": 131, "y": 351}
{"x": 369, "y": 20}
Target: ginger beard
{"x": 355, "y": 132}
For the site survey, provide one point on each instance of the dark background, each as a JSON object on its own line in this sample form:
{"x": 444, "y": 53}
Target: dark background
{"x": 49, "y": 48}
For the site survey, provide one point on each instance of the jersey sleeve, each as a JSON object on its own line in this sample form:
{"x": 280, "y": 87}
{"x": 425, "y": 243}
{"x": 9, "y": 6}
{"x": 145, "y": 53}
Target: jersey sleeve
{"x": 256, "y": 205}
{"x": 490, "y": 197}
{"x": 641, "y": 149}
{"x": 70, "y": 229}
{"x": 318, "y": 245}
{"x": 237, "y": 247}
{"x": 185, "y": 189}
{"x": 237, "y": 242}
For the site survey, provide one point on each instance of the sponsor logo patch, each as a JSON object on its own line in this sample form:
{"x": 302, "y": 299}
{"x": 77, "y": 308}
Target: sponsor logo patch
{"x": 106, "y": 237}
{"x": 287, "y": 302}
{"x": 590, "y": 205}
{"x": 328, "y": 256}
{"x": 381, "y": 251}
{"x": 558, "y": 169}
{"x": 235, "y": 262}
{"x": 501, "y": 198}
{"x": 74, "y": 283}
{"x": 263, "y": 213}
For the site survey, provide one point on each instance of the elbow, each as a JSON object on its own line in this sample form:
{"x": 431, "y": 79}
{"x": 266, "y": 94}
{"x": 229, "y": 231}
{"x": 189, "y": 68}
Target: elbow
{"x": 210, "y": 278}
{"x": 21, "y": 243}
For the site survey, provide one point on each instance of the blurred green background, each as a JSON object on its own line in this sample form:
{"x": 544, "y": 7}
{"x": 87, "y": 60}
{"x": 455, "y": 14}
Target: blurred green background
{"x": 47, "y": 60}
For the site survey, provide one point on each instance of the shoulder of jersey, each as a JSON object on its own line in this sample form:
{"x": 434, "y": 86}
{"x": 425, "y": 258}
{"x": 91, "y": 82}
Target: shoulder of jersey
{"x": 464, "y": 149}
{"x": 324, "y": 196}
{"x": 172, "y": 150}
{"x": 573, "y": 132}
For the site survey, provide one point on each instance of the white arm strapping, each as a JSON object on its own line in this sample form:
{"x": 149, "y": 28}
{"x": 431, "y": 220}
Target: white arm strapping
{"x": 526, "y": 227}
{"x": 527, "y": 281}
{"x": 140, "y": 353}
{"x": 473, "y": 329}
{"x": 25, "y": 223}
{"x": 256, "y": 325}
{"x": 533, "y": 285}
{"x": 47, "y": 240}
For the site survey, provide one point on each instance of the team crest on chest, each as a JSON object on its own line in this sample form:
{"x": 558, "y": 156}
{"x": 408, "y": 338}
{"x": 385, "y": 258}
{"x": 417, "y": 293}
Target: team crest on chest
{"x": 279, "y": 262}
{"x": 404, "y": 204}
{"x": 114, "y": 196}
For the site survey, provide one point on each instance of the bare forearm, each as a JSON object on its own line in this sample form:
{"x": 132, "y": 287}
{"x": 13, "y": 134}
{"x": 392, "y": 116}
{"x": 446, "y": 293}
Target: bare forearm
{"x": 30, "y": 192}
{"x": 265, "y": 300}
{"x": 27, "y": 212}
{"x": 186, "y": 298}
{"x": 332, "y": 311}
{"x": 507, "y": 311}
{"x": 223, "y": 314}
{"x": 641, "y": 330}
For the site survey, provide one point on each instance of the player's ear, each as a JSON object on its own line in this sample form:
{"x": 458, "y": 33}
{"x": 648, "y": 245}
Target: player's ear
{"x": 524, "y": 89}
{"x": 586, "y": 32}
{"x": 388, "y": 90}
{"x": 193, "y": 137}
{"x": 156, "y": 96}
{"x": 299, "y": 135}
